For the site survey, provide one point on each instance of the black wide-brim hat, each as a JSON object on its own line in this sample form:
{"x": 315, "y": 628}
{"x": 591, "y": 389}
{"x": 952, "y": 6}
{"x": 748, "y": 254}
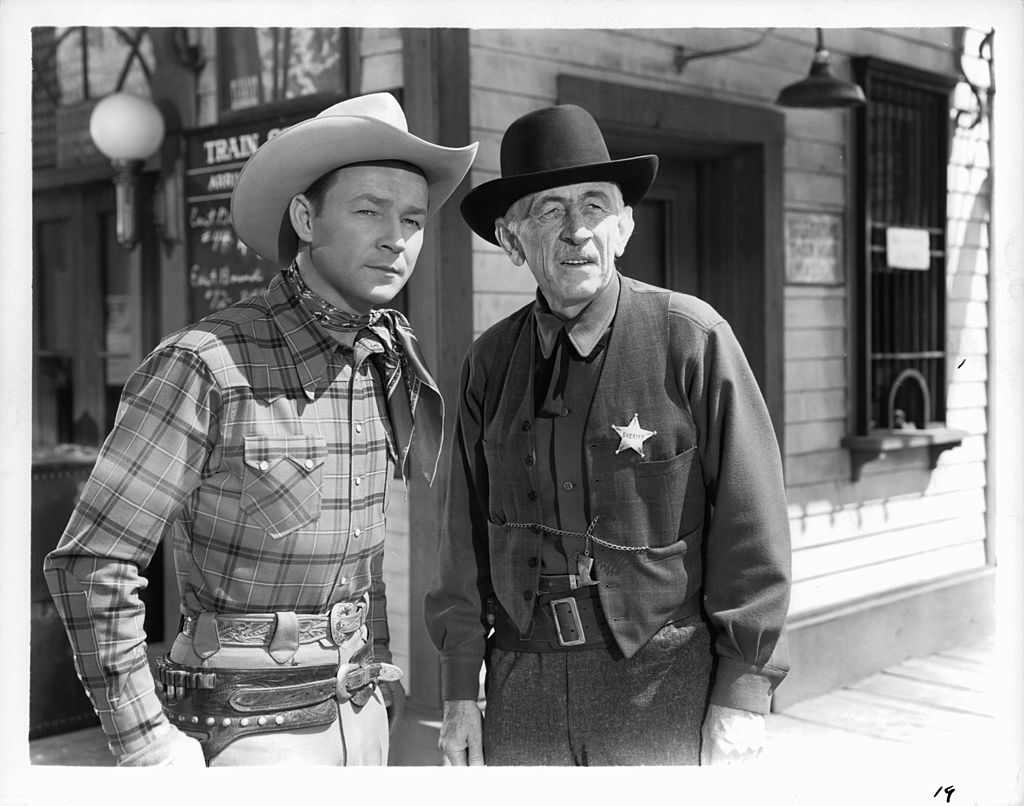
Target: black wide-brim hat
{"x": 552, "y": 147}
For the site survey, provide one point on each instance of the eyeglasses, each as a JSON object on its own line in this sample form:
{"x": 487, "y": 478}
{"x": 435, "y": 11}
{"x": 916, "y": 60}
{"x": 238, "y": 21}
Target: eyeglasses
{"x": 553, "y": 214}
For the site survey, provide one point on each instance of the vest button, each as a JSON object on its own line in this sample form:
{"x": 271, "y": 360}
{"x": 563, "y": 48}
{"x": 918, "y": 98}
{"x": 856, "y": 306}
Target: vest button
{"x": 526, "y": 425}
{"x": 527, "y": 595}
{"x": 532, "y": 495}
{"x": 567, "y": 485}
{"x": 533, "y": 562}
{"x": 529, "y": 461}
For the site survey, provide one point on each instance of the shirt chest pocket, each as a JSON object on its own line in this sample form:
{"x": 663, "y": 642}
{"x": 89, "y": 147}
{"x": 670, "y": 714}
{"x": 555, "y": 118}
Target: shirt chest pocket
{"x": 282, "y": 480}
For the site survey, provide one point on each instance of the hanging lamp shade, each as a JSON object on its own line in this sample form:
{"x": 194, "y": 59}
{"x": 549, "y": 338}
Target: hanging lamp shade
{"x": 821, "y": 89}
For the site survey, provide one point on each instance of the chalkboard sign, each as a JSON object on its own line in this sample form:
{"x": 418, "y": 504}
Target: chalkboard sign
{"x": 222, "y": 269}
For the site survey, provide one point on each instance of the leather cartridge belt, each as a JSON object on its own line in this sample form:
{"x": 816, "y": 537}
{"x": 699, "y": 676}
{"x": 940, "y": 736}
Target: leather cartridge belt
{"x": 258, "y": 629}
{"x": 218, "y": 706}
{"x": 567, "y": 621}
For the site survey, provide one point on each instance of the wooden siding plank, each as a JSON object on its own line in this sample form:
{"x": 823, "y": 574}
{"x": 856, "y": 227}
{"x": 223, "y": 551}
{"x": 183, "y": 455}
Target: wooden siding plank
{"x": 915, "y": 541}
{"x": 496, "y": 274}
{"x": 490, "y": 308}
{"x": 801, "y": 187}
{"x": 815, "y": 594}
{"x": 810, "y": 312}
{"x": 815, "y": 405}
{"x": 836, "y": 521}
{"x": 816, "y": 342}
{"x": 814, "y": 436}
{"x": 816, "y": 467}
{"x": 967, "y": 394}
{"x": 827, "y": 373}
{"x": 815, "y": 156}
{"x": 964, "y": 343}
{"x": 973, "y": 421}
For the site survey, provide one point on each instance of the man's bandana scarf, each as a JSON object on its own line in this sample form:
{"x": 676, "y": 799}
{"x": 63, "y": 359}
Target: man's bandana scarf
{"x": 420, "y": 407}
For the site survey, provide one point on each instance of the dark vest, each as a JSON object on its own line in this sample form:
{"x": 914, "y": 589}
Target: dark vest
{"x": 657, "y": 500}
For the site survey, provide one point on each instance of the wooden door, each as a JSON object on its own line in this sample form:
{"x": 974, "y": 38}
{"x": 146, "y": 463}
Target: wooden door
{"x": 664, "y": 249}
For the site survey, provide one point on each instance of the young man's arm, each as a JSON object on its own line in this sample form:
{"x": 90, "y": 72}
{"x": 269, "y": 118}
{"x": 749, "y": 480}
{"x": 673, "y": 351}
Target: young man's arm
{"x": 148, "y": 466}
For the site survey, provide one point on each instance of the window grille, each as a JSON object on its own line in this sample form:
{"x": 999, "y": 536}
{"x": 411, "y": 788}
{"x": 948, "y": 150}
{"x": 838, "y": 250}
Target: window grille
{"x": 902, "y": 153}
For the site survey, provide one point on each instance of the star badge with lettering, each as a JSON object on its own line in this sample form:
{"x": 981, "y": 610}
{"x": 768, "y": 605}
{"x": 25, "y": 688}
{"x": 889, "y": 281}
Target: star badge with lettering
{"x": 633, "y": 435}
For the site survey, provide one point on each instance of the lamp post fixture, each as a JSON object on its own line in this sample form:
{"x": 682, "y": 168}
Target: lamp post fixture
{"x": 127, "y": 130}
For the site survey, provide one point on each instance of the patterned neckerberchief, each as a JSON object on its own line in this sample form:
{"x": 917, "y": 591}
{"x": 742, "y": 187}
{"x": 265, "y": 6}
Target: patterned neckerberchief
{"x": 421, "y": 407}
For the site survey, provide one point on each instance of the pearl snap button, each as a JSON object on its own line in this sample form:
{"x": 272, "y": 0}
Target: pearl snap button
{"x": 359, "y": 428}
{"x": 309, "y": 464}
{"x": 264, "y": 465}
{"x": 358, "y": 481}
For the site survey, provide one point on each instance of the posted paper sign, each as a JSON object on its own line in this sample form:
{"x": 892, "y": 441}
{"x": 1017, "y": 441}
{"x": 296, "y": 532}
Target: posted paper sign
{"x": 907, "y": 248}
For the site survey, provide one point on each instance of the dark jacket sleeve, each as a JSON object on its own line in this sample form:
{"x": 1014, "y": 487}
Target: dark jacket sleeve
{"x": 454, "y": 606}
{"x": 747, "y": 542}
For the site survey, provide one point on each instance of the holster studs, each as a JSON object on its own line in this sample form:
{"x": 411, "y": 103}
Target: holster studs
{"x": 244, "y": 721}
{"x": 211, "y": 721}
{"x": 261, "y": 721}
{"x": 194, "y": 720}
{"x": 279, "y": 720}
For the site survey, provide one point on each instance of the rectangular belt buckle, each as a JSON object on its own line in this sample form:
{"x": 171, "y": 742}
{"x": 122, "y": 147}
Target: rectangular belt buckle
{"x": 577, "y": 624}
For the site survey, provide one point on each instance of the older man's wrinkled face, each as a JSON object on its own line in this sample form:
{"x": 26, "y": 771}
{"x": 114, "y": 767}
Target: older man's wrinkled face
{"x": 569, "y": 237}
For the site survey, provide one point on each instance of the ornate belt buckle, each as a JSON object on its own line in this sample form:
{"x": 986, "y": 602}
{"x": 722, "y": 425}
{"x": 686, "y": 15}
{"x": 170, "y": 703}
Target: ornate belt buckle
{"x": 572, "y": 634}
{"x": 340, "y": 620}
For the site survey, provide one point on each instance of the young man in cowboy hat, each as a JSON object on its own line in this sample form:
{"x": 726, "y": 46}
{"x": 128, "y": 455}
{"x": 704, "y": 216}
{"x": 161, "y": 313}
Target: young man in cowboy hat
{"x": 616, "y": 508}
{"x": 262, "y": 440}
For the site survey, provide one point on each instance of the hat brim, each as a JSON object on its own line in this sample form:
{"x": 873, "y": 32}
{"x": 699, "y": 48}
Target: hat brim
{"x": 491, "y": 200}
{"x": 291, "y": 161}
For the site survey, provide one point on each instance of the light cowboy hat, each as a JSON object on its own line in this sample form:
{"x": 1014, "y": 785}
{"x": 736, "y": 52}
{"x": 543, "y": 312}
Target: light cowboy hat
{"x": 549, "y": 148}
{"x": 363, "y": 129}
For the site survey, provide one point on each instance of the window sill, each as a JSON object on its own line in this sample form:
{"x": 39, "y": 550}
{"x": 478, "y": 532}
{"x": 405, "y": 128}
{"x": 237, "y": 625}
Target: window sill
{"x": 873, "y": 446}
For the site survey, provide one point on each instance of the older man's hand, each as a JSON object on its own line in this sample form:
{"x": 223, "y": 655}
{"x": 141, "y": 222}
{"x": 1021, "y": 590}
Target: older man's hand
{"x": 462, "y": 740}
{"x": 731, "y": 736}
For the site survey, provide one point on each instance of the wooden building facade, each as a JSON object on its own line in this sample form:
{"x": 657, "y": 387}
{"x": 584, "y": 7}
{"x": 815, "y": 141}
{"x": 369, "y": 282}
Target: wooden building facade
{"x": 849, "y": 249}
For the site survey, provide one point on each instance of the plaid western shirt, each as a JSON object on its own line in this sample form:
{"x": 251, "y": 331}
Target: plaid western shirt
{"x": 261, "y": 447}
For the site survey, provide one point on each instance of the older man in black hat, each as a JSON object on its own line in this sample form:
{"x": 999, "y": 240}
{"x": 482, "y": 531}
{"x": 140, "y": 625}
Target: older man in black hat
{"x": 263, "y": 440}
{"x": 616, "y": 510}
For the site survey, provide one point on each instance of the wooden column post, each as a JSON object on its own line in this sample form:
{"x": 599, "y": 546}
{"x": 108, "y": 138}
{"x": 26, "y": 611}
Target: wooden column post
{"x": 440, "y": 304}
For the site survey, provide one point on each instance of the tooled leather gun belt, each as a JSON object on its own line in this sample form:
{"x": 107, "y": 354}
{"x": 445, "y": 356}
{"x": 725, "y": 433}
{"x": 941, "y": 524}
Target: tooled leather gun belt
{"x": 222, "y": 705}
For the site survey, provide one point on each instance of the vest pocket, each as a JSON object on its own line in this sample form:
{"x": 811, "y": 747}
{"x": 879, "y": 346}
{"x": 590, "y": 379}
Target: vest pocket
{"x": 281, "y": 481}
{"x": 672, "y": 500}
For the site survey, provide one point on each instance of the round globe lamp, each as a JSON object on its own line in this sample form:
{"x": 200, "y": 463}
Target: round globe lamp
{"x": 127, "y": 130}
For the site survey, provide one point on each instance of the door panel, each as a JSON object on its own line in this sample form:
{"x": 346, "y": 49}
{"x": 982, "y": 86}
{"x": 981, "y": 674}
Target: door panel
{"x": 664, "y": 249}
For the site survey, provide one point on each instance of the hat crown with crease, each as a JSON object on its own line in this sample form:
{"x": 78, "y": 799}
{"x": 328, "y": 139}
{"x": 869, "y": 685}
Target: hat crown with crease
{"x": 551, "y": 139}
{"x": 369, "y": 128}
{"x": 548, "y": 148}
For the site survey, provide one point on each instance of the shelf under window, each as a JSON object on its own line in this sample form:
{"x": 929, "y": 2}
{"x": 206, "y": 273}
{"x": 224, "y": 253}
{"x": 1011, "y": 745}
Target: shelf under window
{"x": 875, "y": 445}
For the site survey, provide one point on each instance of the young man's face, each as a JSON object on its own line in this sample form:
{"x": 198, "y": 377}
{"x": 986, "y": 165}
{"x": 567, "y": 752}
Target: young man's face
{"x": 570, "y": 238}
{"x": 364, "y": 239}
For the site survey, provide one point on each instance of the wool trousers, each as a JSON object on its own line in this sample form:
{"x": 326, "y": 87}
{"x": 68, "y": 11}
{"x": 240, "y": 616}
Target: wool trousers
{"x": 595, "y": 707}
{"x": 358, "y": 738}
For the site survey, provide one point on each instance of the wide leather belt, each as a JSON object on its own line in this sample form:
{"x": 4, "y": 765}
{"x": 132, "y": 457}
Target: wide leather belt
{"x": 258, "y": 629}
{"x": 567, "y": 621}
{"x": 562, "y": 622}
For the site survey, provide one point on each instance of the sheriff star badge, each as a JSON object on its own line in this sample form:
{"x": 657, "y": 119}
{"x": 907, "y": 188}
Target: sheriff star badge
{"x": 632, "y": 436}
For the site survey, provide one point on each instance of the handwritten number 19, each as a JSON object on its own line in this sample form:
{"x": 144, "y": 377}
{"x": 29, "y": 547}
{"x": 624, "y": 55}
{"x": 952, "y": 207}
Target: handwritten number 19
{"x": 949, "y": 790}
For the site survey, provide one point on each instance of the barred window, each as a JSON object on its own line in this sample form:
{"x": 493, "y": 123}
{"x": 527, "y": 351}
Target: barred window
{"x": 900, "y": 293}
